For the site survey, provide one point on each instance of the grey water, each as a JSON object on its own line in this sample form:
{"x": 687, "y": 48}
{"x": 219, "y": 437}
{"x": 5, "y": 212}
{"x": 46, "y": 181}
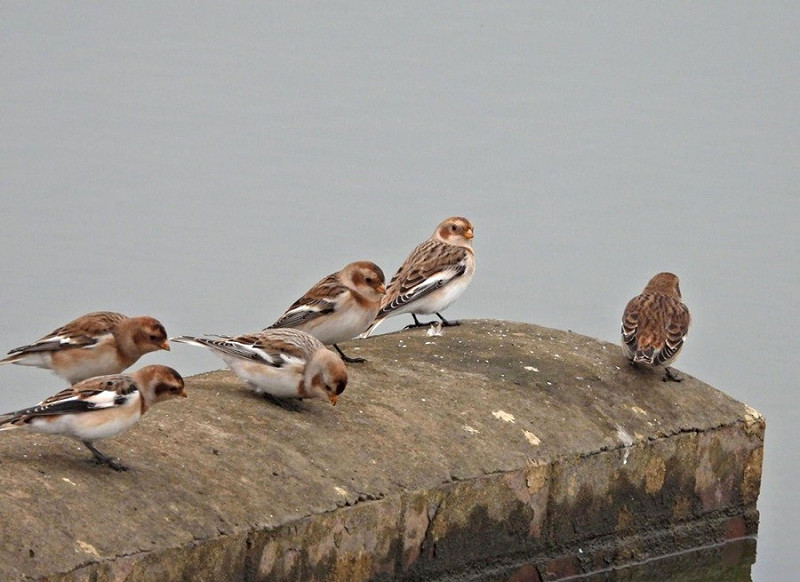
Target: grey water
{"x": 206, "y": 164}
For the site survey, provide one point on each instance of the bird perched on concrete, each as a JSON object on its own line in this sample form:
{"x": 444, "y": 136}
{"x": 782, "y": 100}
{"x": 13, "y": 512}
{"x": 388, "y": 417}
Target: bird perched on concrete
{"x": 655, "y": 324}
{"x": 99, "y": 408}
{"x": 95, "y": 344}
{"x": 433, "y": 276}
{"x": 284, "y": 363}
{"x": 339, "y": 307}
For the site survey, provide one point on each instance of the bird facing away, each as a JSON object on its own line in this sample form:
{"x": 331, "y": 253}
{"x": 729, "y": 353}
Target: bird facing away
{"x": 655, "y": 324}
{"x": 95, "y": 344}
{"x": 339, "y": 307}
{"x": 433, "y": 276}
{"x": 285, "y": 363}
{"x": 99, "y": 408}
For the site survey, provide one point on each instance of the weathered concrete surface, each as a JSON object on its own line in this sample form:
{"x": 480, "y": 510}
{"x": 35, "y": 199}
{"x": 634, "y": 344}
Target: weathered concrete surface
{"x": 497, "y": 445}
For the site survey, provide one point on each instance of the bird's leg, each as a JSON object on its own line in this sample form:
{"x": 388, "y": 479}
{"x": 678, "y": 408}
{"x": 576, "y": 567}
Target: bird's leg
{"x": 445, "y": 322}
{"x": 348, "y": 359}
{"x": 102, "y": 459}
{"x": 417, "y": 323}
{"x": 671, "y": 375}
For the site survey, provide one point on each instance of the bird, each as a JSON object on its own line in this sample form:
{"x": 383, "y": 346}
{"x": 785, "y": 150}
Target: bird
{"x": 99, "y": 408}
{"x": 95, "y": 344}
{"x": 339, "y": 307}
{"x": 655, "y": 324}
{"x": 283, "y": 363}
{"x": 433, "y": 276}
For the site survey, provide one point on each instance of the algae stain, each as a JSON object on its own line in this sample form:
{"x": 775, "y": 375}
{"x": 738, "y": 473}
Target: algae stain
{"x": 625, "y": 519}
{"x": 572, "y": 486}
{"x": 352, "y": 568}
{"x": 536, "y": 478}
{"x": 682, "y": 509}
{"x": 654, "y": 475}
{"x": 751, "y": 479}
{"x": 715, "y": 476}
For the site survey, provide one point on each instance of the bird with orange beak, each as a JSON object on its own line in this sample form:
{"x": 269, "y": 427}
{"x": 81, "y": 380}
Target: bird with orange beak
{"x": 339, "y": 307}
{"x": 95, "y": 344}
{"x": 433, "y": 276}
{"x": 284, "y": 363}
{"x": 99, "y": 408}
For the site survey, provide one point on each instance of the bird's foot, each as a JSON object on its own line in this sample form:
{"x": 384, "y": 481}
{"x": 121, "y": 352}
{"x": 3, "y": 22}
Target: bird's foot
{"x": 418, "y": 324}
{"x": 349, "y": 359}
{"x": 446, "y": 323}
{"x": 671, "y": 375}
{"x": 102, "y": 459}
{"x": 113, "y": 463}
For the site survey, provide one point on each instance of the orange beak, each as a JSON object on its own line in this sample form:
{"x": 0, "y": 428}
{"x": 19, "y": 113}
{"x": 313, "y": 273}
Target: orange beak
{"x": 184, "y": 394}
{"x": 469, "y": 234}
{"x": 164, "y": 345}
{"x": 381, "y": 289}
{"x": 333, "y": 398}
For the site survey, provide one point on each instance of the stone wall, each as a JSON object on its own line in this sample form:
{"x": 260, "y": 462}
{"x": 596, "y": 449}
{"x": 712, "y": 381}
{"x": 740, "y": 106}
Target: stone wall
{"x": 497, "y": 447}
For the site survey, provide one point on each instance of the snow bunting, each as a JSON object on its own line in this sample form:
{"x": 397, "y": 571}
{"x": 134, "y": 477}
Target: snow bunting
{"x": 433, "y": 276}
{"x": 99, "y": 407}
{"x": 339, "y": 307}
{"x": 655, "y": 323}
{"x": 286, "y": 363}
{"x": 95, "y": 344}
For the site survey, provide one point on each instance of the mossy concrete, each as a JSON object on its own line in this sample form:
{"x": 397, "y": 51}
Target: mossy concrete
{"x": 497, "y": 446}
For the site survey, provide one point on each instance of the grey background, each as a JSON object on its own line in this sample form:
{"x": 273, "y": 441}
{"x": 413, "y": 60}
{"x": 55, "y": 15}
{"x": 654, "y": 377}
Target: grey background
{"x": 206, "y": 164}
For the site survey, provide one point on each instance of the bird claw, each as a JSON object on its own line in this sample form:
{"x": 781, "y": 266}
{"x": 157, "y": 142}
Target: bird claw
{"x": 102, "y": 459}
{"x": 348, "y": 359}
{"x": 110, "y": 462}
